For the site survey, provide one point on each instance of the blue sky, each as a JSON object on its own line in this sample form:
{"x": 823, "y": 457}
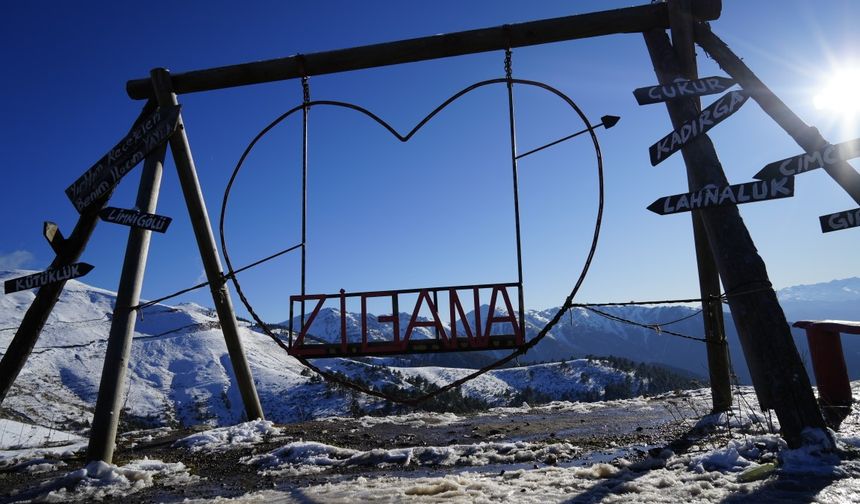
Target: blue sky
{"x": 435, "y": 211}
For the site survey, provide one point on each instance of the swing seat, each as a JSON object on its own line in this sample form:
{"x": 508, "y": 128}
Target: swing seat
{"x": 491, "y": 330}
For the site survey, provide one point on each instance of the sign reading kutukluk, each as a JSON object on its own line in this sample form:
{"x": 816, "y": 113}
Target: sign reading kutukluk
{"x": 713, "y": 196}
{"x": 810, "y": 161}
{"x": 682, "y": 89}
{"x": 134, "y": 218}
{"x": 47, "y": 277}
{"x": 840, "y": 220}
{"x": 725, "y": 106}
{"x": 103, "y": 176}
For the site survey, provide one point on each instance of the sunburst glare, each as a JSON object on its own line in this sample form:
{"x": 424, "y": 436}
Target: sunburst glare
{"x": 841, "y": 93}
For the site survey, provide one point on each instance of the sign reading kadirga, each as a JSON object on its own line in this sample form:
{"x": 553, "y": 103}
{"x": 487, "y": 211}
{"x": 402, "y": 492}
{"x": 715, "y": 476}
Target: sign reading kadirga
{"x": 725, "y": 106}
{"x": 728, "y": 195}
{"x": 133, "y": 218}
{"x": 103, "y": 176}
{"x": 46, "y": 277}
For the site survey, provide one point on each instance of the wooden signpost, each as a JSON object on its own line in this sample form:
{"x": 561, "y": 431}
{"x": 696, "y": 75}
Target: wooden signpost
{"x": 812, "y": 161}
{"x": 103, "y": 176}
{"x": 134, "y": 218}
{"x": 736, "y": 194}
{"x": 682, "y": 89}
{"x": 840, "y": 220}
{"x": 48, "y": 276}
{"x": 725, "y": 106}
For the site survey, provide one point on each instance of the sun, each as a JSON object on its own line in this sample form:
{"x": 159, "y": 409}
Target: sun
{"x": 840, "y": 94}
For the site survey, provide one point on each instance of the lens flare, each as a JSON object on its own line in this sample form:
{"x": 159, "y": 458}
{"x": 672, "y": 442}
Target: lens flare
{"x": 841, "y": 93}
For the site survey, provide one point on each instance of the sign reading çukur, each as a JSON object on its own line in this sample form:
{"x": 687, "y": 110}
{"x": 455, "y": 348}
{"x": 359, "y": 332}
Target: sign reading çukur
{"x": 725, "y": 106}
{"x": 47, "y": 277}
{"x": 134, "y": 218}
{"x": 682, "y": 89}
{"x": 840, "y": 220}
{"x": 103, "y": 176}
{"x": 810, "y": 161}
{"x": 712, "y": 196}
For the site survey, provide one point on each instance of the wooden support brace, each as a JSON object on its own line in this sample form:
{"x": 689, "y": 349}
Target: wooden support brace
{"x": 54, "y": 236}
{"x": 780, "y": 381}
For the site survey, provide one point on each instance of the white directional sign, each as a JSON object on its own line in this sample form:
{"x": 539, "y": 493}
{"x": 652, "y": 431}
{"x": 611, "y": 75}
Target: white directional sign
{"x": 805, "y": 162}
{"x": 840, "y": 220}
{"x": 682, "y": 89}
{"x": 47, "y": 277}
{"x": 103, "y": 176}
{"x": 737, "y": 194}
{"x": 725, "y": 106}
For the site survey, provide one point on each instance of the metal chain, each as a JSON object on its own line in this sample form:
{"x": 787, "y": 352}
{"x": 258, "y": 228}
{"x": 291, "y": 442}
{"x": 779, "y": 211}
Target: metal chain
{"x": 306, "y": 90}
{"x": 508, "y": 64}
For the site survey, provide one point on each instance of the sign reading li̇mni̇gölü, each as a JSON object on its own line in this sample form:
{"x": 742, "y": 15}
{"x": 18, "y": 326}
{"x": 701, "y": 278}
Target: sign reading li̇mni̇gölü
{"x": 737, "y": 194}
{"x": 46, "y": 277}
{"x": 725, "y": 106}
{"x": 682, "y": 89}
{"x": 134, "y": 218}
{"x": 840, "y": 220}
{"x": 805, "y": 162}
{"x": 103, "y": 176}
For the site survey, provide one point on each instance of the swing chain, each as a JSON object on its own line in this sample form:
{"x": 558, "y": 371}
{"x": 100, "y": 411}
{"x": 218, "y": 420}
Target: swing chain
{"x": 306, "y": 90}
{"x": 508, "y": 68}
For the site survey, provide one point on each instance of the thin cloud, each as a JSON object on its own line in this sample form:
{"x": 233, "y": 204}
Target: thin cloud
{"x": 16, "y": 260}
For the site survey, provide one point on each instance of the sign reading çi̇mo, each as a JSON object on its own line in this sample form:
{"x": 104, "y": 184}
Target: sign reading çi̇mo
{"x": 133, "y": 218}
{"x": 103, "y": 176}
{"x": 713, "y": 196}
{"x": 46, "y": 277}
{"x": 810, "y": 161}
{"x": 725, "y": 106}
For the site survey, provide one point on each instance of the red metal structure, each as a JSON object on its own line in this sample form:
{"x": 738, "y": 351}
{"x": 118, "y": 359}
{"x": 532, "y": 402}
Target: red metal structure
{"x": 499, "y": 329}
{"x": 828, "y": 365}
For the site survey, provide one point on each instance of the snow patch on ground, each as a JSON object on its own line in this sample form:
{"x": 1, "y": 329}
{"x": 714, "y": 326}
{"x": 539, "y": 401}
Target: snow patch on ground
{"x": 225, "y": 438}
{"x": 417, "y": 419}
{"x": 309, "y": 457}
{"x": 99, "y": 480}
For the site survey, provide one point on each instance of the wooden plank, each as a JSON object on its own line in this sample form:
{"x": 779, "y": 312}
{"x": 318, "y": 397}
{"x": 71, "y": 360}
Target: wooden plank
{"x": 840, "y": 220}
{"x": 627, "y": 20}
{"x": 709, "y": 197}
{"x": 134, "y": 218}
{"x": 104, "y": 176}
{"x": 682, "y": 89}
{"x": 805, "y": 162}
{"x": 716, "y": 113}
{"x": 55, "y": 238}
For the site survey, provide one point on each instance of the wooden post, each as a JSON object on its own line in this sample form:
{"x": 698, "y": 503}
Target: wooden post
{"x": 627, "y": 20}
{"x": 67, "y": 251}
{"x": 681, "y": 22}
{"x": 112, "y": 385}
{"x": 778, "y": 375}
{"x": 181, "y": 151}
{"x": 809, "y": 139}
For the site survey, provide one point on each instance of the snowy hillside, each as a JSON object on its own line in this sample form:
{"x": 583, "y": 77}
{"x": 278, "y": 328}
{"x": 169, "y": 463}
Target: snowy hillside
{"x": 180, "y": 371}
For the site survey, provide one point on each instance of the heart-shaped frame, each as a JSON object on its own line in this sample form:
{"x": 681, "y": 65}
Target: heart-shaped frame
{"x": 405, "y": 138}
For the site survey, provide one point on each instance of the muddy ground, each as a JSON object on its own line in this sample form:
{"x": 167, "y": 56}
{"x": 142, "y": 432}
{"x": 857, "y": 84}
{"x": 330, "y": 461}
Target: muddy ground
{"x": 607, "y": 433}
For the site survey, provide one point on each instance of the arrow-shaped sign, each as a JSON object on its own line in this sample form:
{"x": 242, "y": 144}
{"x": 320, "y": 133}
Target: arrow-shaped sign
{"x": 805, "y": 162}
{"x": 133, "y": 218}
{"x": 103, "y": 176}
{"x": 712, "y": 196}
{"x": 682, "y": 89}
{"x": 840, "y": 220}
{"x": 725, "y": 106}
{"x": 47, "y": 277}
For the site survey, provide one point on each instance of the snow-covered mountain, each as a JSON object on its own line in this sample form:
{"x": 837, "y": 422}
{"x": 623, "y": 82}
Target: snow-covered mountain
{"x": 180, "y": 372}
